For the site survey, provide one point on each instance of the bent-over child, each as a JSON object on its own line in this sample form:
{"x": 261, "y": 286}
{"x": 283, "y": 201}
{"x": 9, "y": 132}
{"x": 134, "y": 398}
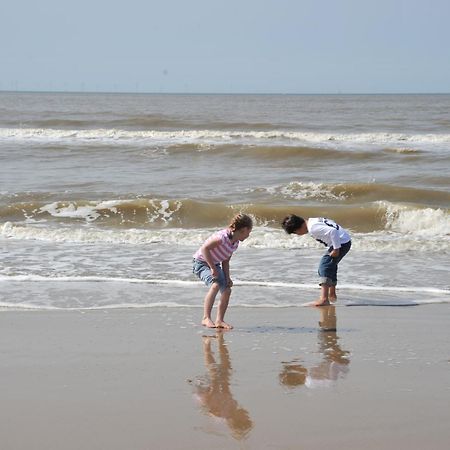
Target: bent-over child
{"x": 212, "y": 265}
{"x": 332, "y": 235}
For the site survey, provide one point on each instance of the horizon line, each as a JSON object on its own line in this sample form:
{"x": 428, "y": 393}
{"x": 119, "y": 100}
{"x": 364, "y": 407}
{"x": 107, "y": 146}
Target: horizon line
{"x": 28, "y": 91}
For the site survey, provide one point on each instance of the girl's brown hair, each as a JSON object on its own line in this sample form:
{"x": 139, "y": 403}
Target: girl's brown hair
{"x": 241, "y": 221}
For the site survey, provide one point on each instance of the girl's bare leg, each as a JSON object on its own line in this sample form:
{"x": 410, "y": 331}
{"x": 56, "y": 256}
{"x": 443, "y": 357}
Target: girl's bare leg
{"x": 222, "y": 308}
{"x": 208, "y": 305}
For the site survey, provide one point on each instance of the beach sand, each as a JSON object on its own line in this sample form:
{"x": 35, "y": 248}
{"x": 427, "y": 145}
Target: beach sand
{"x": 154, "y": 379}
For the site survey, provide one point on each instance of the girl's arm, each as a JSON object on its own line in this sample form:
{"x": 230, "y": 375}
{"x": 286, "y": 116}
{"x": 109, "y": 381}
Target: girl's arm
{"x": 226, "y": 271}
{"x": 206, "y": 252}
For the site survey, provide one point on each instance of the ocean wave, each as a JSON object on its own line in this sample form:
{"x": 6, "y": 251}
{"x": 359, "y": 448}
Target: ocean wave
{"x": 369, "y": 204}
{"x": 109, "y": 136}
{"x": 159, "y": 214}
{"x": 358, "y": 192}
{"x": 403, "y": 151}
{"x": 144, "y": 122}
{"x": 400, "y": 237}
{"x": 279, "y": 152}
{"x": 135, "y": 212}
{"x": 103, "y": 236}
{"x": 419, "y": 222}
{"x": 53, "y": 123}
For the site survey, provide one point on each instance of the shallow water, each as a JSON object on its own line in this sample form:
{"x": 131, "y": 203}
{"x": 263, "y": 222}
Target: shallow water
{"x": 123, "y": 188}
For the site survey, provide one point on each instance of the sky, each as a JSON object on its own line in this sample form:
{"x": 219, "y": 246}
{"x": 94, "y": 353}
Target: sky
{"x": 228, "y": 46}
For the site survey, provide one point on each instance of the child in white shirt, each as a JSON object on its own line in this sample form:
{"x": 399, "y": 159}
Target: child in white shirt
{"x": 331, "y": 235}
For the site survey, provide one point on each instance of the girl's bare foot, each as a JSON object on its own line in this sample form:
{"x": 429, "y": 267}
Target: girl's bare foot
{"x": 333, "y": 299}
{"x": 208, "y": 323}
{"x": 224, "y": 325}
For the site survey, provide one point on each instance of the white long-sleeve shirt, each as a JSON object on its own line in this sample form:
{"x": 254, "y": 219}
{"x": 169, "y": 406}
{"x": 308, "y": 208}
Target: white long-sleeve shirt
{"x": 328, "y": 232}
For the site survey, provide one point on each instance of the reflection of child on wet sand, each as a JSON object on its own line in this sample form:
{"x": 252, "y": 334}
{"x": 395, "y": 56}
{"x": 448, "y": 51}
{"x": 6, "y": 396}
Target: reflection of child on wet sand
{"x": 335, "y": 360}
{"x": 214, "y": 392}
{"x": 328, "y": 319}
{"x": 212, "y": 265}
{"x": 332, "y": 235}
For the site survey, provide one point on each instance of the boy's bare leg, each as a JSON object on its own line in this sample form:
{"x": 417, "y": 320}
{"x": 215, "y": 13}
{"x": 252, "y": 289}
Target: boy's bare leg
{"x": 332, "y": 297}
{"x": 324, "y": 299}
{"x": 222, "y": 309}
{"x": 208, "y": 305}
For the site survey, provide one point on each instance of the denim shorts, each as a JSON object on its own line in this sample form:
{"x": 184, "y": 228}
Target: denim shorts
{"x": 204, "y": 272}
{"x": 328, "y": 267}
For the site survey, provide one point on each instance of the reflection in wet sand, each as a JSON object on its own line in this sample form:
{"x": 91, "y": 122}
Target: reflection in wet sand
{"x": 335, "y": 361}
{"x": 213, "y": 389}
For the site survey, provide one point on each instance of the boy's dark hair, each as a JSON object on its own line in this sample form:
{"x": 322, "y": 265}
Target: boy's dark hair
{"x": 292, "y": 223}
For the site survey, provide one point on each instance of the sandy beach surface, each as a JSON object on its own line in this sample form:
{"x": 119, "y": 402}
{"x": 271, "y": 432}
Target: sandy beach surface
{"x": 286, "y": 378}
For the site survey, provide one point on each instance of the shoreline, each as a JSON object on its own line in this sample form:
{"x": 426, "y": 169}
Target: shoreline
{"x": 156, "y": 379}
{"x": 194, "y": 94}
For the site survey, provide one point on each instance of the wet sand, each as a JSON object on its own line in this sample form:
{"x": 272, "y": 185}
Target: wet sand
{"x": 364, "y": 377}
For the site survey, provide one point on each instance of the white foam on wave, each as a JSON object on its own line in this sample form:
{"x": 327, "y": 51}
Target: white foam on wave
{"x": 102, "y": 236}
{"x": 419, "y": 222}
{"x": 32, "y": 307}
{"x": 72, "y": 211}
{"x": 306, "y": 191}
{"x": 391, "y": 240}
{"x": 189, "y": 283}
{"x": 97, "y": 279}
{"x": 10, "y": 306}
{"x": 156, "y": 209}
{"x": 349, "y": 286}
{"x": 214, "y": 137}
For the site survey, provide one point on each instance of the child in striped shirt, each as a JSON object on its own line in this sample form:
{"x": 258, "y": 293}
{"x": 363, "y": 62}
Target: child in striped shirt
{"x": 212, "y": 266}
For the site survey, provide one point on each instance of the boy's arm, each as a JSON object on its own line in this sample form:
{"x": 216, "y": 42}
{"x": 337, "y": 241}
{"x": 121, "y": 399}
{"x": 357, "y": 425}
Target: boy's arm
{"x": 335, "y": 242}
{"x": 335, "y": 253}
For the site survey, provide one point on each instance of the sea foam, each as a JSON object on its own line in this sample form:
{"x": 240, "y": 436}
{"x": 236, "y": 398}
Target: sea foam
{"x": 418, "y": 222}
{"x": 190, "y": 283}
{"x": 212, "y": 137}
{"x": 261, "y": 237}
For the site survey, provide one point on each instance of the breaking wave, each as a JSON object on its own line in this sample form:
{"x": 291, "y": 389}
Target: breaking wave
{"x": 401, "y": 229}
{"x": 348, "y": 204}
{"x": 397, "y": 142}
{"x": 358, "y": 192}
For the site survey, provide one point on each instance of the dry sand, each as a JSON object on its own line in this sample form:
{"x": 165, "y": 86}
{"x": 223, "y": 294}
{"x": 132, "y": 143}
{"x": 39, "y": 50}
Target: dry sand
{"x": 150, "y": 379}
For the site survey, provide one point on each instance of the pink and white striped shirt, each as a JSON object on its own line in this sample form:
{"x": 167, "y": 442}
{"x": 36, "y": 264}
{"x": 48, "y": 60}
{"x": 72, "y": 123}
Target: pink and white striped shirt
{"x": 223, "y": 251}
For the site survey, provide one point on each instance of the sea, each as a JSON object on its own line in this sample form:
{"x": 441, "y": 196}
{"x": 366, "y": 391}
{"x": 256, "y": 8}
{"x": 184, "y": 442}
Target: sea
{"x": 104, "y": 198}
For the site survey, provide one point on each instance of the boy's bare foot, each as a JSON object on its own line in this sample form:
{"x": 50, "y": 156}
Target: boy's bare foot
{"x": 208, "y": 323}
{"x": 320, "y": 302}
{"x": 333, "y": 299}
{"x": 224, "y": 325}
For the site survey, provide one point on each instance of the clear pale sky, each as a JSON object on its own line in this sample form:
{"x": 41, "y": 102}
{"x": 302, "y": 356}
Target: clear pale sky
{"x": 254, "y": 46}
